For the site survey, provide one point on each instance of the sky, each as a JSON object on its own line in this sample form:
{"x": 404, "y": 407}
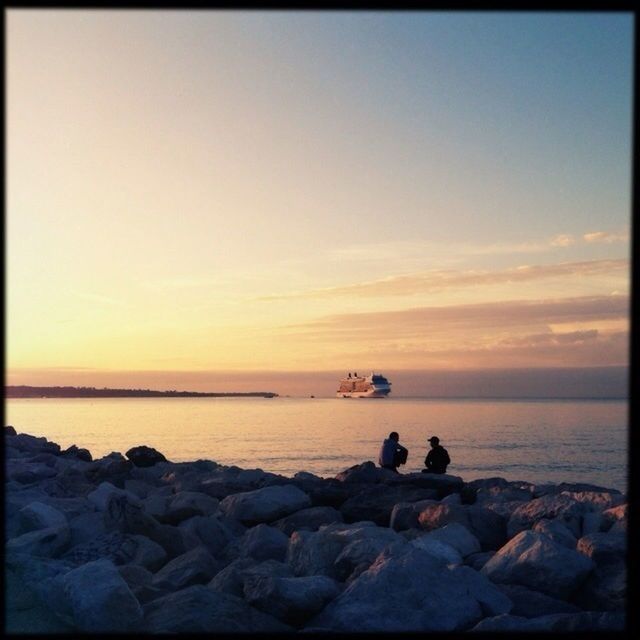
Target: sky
{"x": 194, "y": 196}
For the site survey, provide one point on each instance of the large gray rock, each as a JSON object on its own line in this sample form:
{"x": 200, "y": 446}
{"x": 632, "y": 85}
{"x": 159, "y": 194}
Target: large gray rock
{"x": 86, "y": 526}
{"x": 114, "y": 468}
{"x": 557, "y": 531}
{"x": 197, "y": 566}
{"x": 585, "y": 621}
{"x": 438, "y": 549}
{"x": 487, "y": 526}
{"x": 444, "y": 484}
{"x": 187, "y": 504}
{"x": 292, "y": 600}
{"x": 315, "y": 552}
{"x": 144, "y": 456}
{"x": 199, "y": 609}
{"x": 404, "y": 515}
{"x": 25, "y": 443}
{"x": 27, "y": 472}
{"x": 366, "y": 472}
{"x": 532, "y": 604}
{"x": 49, "y": 542}
{"x": 211, "y": 531}
{"x": 377, "y": 502}
{"x": 534, "y": 560}
{"x": 105, "y": 491}
{"x": 615, "y": 516}
{"x": 120, "y": 549}
{"x": 310, "y": 519}
{"x": 409, "y": 590}
{"x": 478, "y": 560}
{"x": 37, "y": 515}
{"x": 100, "y": 599}
{"x": 564, "y": 507}
{"x": 458, "y": 536}
{"x": 263, "y": 542}
{"x": 265, "y": 505}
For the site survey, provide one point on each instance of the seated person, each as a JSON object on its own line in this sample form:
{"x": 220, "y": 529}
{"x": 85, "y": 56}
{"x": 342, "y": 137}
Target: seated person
{"x": 392, "y": 454}
{"x": 437, "y": 459}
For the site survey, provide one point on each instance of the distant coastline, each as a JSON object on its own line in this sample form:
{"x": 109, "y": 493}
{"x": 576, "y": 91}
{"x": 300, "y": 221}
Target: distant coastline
{"x": 23, "y": 391}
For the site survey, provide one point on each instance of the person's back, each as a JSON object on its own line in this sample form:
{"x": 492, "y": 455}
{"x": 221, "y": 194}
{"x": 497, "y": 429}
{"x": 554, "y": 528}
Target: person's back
{"x": 392, "y": 453}
{"x": 437, "y": 459}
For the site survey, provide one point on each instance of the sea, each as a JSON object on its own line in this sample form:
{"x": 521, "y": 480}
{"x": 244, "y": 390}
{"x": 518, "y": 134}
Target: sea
{"x": 539, "y": 441}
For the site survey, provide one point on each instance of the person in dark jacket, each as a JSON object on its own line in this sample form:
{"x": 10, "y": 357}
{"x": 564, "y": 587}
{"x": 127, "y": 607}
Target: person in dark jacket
{"x": 392, "y": 453}
{"x": 437, "y": 459}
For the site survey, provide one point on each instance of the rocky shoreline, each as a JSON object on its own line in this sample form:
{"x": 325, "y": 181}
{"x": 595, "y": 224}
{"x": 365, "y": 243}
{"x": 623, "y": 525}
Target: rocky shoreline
{"x": 136, "y": 543}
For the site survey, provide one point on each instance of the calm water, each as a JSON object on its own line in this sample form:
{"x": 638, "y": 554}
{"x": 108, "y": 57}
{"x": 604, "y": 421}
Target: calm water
{"x": 554, "y": 441}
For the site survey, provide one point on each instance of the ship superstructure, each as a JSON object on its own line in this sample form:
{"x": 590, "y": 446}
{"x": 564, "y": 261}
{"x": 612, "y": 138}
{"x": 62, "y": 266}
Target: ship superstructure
{"x": 371, "y": 386}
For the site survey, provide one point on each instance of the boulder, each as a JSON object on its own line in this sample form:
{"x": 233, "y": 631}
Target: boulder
{"x": 615, "y": 516}
{"x": 293, "y": 600}
{"x": 100, "y": 599}
{"x": 438, "y": 549}
{"x": 404, "y": 515}
{"x": 49, "y": 542}
{"x": 535, "y": 561}
{"x": 357, "y": 555}
{"x": 120, "y": 549}
{"x": 487, "y": 526}
{"x": 265, "y": 505}
{"x": 9, "y": 431}
{"x": 187, "y": 504}
{"x": 376, "y": 503}
{"x": 410, "y": 590}
{"x": 553, "y": 506}
{"x": 315, "y": 552}
{"x": 144, "y": 456}
{"x": 532, "y": 604}
{"x": 199, "y": 609}
{"x": 81, "y": 454}
{"x": 37, "y": 515}
{"x": 101, "y": 496}
{"x": 558, "y": 623}
{"x": 366, "y": 472}
{"x": 25, "y": 443}
{"x": 86, "y": 526}
{"x": 571, "y": 487}
{"x": 211, "y": 531}
{"x": 310, "y": 519}
{"x": 478, "y": 560}
{"x": 114, "y": 468}
{"x": 444, "y": 484}
{"x": 263, "y": 542}
{"x": 197, "y": 566}
{"x": 456, "y": 535}
{"x": 231, "y": 578}
{"x": 557, "y": 531}
{"x": 27, "y": 472}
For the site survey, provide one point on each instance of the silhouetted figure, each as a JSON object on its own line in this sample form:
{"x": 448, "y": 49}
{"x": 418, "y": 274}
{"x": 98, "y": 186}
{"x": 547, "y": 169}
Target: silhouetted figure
{"x": 392, "y": 453}
{"x": 437, "y": 459}
{"x": 349, "y": 375}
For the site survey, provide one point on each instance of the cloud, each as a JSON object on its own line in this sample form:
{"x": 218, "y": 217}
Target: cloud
{"x": 562, "y": 240}
{"x": 605, "y": 237}
{"x": 440, "y": 280}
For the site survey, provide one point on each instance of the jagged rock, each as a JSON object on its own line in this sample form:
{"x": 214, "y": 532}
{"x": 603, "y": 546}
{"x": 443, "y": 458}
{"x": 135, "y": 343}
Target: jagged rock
{"x": 199, "y": 609}
{"x": 315, "y": 552}
{"x": 49, "y": 542}
{"x": 376, "y": 503}
{"x": 100, "y": 599}
{"x": 101, "y": 496}
{"x": 114, "y": 468}
{"x": 120, "y": 549}
{"x": 9, "y": 431}
{"x": 197, "y": 566}
{"x": 80, "y": 454}
{"x": 310, "y": 519}
{"x": 532, "y": 604}
{"x": 486, "y": 525}
{"x": 559, "y": 622}
{"x": 478, "y": 560}
{"x": 444, "y": 484}
{"x": 553, "y": 506}
{"x": 211, "y": 531}
{"x": 187, "y": 504}
{"x": 438, "y": 549}
{"x": 37, "y": 515}
{"x": 357, "y": 555}
{"x": 533, "y": 560}
{"x": 404, "y": 515}
{"x": 366, "y": 472}
{"x": 263, "y": 542}
{"x": 458, "y": 536}
{"x": 410, "y": 590}
{"x": 27, "y": 472}
{"x": 69, "y": 483}
{"x": 231, "y": 579}
{"x": 26, "y": 443}
{"x": 144, "y": 456}
{"x": 557, "y": 531}
{"x": 292, "y": 600}
{"x": 330, "y": 493}
{"x": 265, "y": 505}
{"x": 614, "y": 516}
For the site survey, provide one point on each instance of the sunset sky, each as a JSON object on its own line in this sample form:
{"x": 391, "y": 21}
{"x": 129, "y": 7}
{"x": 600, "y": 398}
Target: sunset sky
{"x": 193, "y": 192}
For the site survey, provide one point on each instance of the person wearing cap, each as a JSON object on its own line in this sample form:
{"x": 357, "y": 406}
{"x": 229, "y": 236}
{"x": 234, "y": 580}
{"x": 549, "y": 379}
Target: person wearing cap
{"x": 392, "y": 453}
{"x": 437, "y": 459}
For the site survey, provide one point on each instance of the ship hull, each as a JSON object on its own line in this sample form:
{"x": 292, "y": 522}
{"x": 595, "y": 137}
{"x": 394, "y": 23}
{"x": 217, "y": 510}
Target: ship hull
{"x": 372, "y": 393}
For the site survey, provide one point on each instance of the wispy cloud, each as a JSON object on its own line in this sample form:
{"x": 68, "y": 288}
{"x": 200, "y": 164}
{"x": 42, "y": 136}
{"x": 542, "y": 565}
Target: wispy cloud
{"x": 440, "y": 280}
{"x": 605, "y": 237}
{"x": 562, "y": 240}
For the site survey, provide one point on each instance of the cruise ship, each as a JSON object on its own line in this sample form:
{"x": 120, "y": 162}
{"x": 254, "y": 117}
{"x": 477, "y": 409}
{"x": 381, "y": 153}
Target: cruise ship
{"x": 372, "y": 386}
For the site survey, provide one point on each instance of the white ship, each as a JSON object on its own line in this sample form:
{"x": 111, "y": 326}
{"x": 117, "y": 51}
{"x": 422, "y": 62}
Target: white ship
{"x": 372, "y": 386}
